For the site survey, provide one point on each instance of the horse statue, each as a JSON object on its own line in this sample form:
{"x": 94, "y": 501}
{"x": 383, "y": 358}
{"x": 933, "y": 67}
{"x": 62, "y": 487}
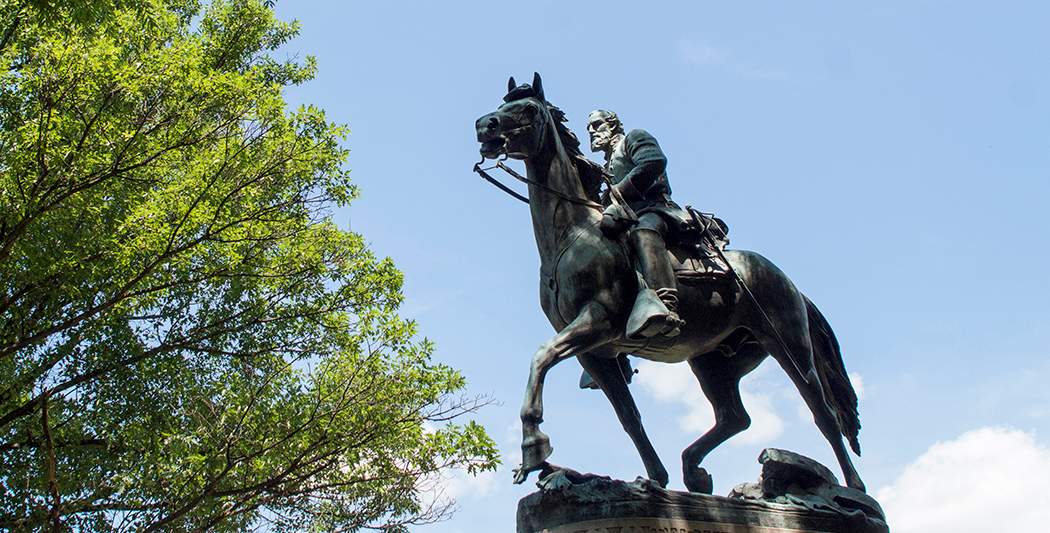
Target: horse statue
{"x": 589, "y": 284}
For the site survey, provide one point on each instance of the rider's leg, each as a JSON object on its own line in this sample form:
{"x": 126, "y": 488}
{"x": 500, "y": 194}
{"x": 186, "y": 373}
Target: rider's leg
{"x": 651, "y": 259}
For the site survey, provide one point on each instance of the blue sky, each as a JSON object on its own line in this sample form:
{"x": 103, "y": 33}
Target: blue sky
{"x": 892, "y": 158}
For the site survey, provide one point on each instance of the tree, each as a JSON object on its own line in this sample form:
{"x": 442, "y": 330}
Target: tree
{"x": 187, "y": 341}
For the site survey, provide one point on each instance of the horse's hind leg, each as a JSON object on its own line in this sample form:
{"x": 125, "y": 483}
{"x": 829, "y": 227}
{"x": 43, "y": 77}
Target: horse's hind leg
{"x": 607, "y": 374}
{"x": 719, "y": 377}
{"x": 797, "y": 341}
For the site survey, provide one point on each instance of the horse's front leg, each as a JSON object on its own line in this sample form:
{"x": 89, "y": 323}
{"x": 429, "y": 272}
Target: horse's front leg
{"x": 610, "y": 378}
{"x": 590, "y": 329}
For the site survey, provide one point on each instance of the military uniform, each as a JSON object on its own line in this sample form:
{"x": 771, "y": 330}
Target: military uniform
{"x": 638, "y": 168}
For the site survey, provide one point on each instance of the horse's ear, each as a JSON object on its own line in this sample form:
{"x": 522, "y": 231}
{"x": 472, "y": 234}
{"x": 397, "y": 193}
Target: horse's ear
{"x": 537, "y": 85}
{"x": 511, "y": 85}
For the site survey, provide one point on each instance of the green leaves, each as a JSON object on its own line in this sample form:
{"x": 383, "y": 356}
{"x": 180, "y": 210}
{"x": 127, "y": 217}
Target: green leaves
{"x": 210, "y": 349}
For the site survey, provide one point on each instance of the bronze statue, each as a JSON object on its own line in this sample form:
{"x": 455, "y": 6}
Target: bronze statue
{"x": 637, "y": 166}
{"x": 589, "y": 287}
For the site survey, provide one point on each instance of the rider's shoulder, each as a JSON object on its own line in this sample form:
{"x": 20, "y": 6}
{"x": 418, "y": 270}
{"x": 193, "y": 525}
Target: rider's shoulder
{"x": 639, "y": 134}
{"x": 640, "y": 145}
{"x": 640, "y": 139}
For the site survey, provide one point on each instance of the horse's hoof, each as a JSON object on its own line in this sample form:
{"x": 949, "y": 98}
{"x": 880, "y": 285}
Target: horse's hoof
{"x": 661, "y": 479}
{"x": 521, "y": 473}
{"x": 534, "y": 451}
{"x": 699, "y": 481}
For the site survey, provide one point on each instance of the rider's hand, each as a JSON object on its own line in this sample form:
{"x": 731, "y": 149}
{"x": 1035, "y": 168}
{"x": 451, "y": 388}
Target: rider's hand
{"x": 615, "y": 220}
{"x": 627, "y": 191}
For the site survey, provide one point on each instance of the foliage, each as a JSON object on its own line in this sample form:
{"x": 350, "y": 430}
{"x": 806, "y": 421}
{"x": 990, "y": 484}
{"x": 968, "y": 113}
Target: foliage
{"x": 187, "y": 341}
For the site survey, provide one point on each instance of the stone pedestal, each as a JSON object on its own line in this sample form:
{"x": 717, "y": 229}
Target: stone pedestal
{"x": 790, "y": 498}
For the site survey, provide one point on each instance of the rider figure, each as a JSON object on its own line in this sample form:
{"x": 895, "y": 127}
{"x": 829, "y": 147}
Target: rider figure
{"x": 638, "y": 173}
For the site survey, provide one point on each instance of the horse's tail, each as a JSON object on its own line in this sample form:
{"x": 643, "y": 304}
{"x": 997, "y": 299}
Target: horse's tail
{"x": 838, "y": 391}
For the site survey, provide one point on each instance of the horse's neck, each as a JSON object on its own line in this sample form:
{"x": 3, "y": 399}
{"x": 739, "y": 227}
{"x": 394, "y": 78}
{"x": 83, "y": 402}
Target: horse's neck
{"x": 556, "y": 221}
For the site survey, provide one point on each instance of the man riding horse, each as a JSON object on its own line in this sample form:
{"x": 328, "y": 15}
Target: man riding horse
{"x": 637, "y": 165}
{"x": 588, "y": 289}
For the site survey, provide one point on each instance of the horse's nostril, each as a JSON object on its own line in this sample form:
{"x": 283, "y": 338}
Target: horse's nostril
{"x": 492, "y": 124}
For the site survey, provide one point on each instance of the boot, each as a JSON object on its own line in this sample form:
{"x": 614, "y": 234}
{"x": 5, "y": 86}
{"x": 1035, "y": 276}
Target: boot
{"x": 652, "y": 261}
{"x": 670, "y": 299}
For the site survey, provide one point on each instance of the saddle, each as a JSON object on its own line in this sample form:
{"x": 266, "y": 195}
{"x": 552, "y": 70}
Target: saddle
{"x": 694, "y": 246}
{"x": 695, "y": 242}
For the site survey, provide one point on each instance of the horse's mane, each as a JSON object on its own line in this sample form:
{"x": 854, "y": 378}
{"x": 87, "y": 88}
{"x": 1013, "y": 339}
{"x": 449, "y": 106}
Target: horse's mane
{"x": 591, "y": 173}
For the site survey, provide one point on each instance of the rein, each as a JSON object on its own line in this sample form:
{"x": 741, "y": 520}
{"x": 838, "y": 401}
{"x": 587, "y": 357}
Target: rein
{"x": 523, "y": 179}
{"x": 496, "y": 182}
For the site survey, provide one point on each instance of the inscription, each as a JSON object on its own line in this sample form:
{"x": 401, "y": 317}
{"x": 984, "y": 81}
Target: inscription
{"x": 647, "y": 529}
{"x": 662, "y": 525}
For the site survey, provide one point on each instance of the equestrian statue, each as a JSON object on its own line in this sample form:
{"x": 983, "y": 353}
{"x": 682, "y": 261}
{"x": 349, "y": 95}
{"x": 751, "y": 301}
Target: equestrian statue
{"x": 626, "y": 271}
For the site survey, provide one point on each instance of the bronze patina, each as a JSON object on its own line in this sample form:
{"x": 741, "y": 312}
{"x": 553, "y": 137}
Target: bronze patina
{"x": 636, "y": 166}
{"x": 589, "y": 287}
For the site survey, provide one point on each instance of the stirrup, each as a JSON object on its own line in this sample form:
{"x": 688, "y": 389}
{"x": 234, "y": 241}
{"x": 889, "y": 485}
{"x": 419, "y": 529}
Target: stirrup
{"x": 650, "y": 317}
{"x": 673, "y": 322}
{"x": 672, "y": 325}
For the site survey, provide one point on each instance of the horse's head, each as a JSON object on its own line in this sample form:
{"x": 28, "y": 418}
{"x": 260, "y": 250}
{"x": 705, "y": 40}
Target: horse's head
{"x": 519, "y": 127}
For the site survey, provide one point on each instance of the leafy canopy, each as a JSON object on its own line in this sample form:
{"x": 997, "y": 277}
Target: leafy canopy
{"x": 187, "y": 341}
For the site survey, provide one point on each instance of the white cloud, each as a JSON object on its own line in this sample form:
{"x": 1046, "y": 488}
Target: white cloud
{"x": 989, "y": 479}
{"x": 769, "y": 74}
{"x": 695, "y": 53}
{"x": 460, "y": 485}
{"x": 858, "y": 384}
{"x": 709, "y": 55}
{"x": 677, "y": 384}
{"x": 512, "y": 436}
{"x": 765, "y": 424}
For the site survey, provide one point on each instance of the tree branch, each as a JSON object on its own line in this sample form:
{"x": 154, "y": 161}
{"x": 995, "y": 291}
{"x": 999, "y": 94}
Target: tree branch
{"x": 56, "y": 505}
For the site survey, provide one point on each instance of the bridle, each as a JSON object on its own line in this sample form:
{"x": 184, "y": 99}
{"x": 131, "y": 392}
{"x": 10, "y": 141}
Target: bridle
{"x": 523, "y": 179}
{"x": 515, "y": 132}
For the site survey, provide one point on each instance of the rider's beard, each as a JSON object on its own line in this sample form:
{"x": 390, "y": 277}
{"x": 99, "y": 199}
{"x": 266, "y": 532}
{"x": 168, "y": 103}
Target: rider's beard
{"x": 600, "y": 140}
